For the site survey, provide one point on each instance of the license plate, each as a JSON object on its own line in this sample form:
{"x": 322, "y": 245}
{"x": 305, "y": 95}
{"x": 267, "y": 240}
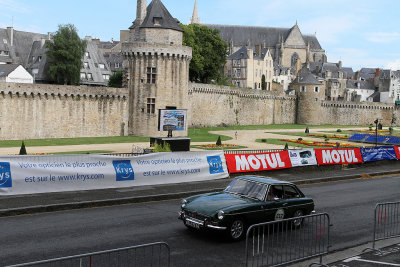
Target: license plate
{"x": 193, "y": 224}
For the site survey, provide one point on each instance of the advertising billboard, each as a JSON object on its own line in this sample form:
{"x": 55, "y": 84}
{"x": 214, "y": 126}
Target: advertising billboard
{"x": 172, "y": 119}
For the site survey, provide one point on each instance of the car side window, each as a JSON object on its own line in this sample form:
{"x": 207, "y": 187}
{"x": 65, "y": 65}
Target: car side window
{"x": 275, "y": 192}
{"x": 290, "y": 192}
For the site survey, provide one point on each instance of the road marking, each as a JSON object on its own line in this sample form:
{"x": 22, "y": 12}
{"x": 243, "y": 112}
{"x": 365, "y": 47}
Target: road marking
{"x": 376, "y": 262}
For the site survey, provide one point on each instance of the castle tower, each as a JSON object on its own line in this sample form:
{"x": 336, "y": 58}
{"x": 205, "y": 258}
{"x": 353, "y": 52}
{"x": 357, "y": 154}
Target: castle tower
{"x": 157, "y": 68}
{"x": 195, "y": 17}
{"x": 310, "y": 94}
{"x": 140, "y": 11}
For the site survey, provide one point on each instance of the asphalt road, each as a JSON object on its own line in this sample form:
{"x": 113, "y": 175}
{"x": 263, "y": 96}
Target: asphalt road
{"x": 42, "y": 236}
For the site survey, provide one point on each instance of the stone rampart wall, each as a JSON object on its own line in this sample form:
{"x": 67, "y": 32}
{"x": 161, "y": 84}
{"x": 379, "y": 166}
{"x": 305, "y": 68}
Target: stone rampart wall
{"x": 351, "y": 113}
{"x": 218, "y": 105}
{"x": 30, "y": 111}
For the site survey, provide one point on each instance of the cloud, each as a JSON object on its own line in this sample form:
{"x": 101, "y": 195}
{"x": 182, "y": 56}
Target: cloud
{"x": 12, "y": 5}
{"x": 394, "y": 65}
{"x": 383, "y": 37}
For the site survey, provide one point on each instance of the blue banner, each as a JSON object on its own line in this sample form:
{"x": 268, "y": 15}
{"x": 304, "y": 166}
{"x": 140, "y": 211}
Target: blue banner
{"x": 378, "y": 153}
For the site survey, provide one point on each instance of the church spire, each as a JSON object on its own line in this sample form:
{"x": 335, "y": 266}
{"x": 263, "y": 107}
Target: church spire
{"x": 195, "y": 17}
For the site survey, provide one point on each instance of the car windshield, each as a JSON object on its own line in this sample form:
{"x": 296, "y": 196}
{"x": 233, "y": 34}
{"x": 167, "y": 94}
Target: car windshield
{"x": 247, "y": 188}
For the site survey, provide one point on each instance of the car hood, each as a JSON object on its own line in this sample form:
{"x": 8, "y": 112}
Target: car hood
{"x": 210, "y": 204}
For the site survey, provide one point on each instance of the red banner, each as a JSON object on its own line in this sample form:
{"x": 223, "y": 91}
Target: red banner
{"x": 397, "y": 150}
{"x": 338, "y": 156}
{"x": 258, "y": 161}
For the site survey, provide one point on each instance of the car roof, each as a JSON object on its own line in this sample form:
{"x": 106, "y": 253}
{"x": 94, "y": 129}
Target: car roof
{"x": 262, "y": 179}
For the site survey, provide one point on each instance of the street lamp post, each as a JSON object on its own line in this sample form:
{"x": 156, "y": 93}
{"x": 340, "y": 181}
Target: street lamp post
{"x": 376, "y": 132}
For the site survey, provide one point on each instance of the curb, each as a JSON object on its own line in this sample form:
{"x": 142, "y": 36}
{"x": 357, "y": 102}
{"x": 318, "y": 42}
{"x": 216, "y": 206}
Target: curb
{"x": 142, "y": 199}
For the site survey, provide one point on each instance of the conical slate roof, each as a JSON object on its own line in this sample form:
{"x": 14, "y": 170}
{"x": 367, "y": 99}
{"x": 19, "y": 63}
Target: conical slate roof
{"x": 159, "y": 17}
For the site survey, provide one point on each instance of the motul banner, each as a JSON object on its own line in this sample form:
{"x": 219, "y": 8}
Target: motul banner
{"x": 258, "y": 161}
{"x": 338, "y": 156}
{"x": 397, "y": 150}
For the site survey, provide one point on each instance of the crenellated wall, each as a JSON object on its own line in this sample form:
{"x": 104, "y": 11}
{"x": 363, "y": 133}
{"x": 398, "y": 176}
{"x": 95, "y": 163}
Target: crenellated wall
{"x": 352, "y": 113}
{"x": 30, "y": 111}
{"x": 217, "y": 105}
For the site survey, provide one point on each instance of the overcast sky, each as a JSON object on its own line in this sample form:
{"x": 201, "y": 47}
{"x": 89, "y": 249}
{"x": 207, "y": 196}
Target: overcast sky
{"x": 361, "y": 33}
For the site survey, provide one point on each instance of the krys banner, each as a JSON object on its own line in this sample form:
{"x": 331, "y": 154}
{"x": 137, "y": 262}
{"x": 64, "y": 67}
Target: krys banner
{"x": 338, "y": 156}
{"x": 378, "y": 153}
{"x": 44, "y": 174}
{"x": 258, "y": 161}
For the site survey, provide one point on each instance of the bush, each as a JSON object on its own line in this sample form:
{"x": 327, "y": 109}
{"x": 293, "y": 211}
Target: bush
{"x": 391, "y": 130}
{"x": 264, "y": 140}
{"x": 165, "y": 147}
{"x": 22, "y": 151}
{"x": 286, "y": 146}
{"x": 325, "y": 136}
{"x": 339, "y": 130}
{"x": 219, "y": 142}
{"x": 300, "y": 139}
{"x": 370, "y": 127}
{"x": 307, "y": 130}
{"x": 326, "y": 139}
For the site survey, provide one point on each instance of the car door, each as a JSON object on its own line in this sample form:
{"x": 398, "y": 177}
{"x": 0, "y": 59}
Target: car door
{"x": 291, "y": 200}
{"x": 274, "y": 208}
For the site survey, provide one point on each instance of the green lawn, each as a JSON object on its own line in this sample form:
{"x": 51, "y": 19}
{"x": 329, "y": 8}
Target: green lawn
{"x": 216, "y": 148}
{"x": 196, "y": 135}
{"x": 283, "y": 143}
{"x": 301, "y": 134}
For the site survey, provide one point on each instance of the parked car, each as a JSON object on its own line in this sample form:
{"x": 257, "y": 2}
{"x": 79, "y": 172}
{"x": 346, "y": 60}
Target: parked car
{"x": 247, "y": 200}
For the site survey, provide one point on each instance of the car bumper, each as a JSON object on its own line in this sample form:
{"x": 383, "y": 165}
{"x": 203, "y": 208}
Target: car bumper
{"x": 199, "y": 224}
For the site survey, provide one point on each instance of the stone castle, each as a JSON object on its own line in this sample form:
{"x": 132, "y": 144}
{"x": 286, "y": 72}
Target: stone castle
{"x": 157, "y": 76}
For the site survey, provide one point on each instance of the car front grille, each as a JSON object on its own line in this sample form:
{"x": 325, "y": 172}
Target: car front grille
{"x": 196, "y": 215}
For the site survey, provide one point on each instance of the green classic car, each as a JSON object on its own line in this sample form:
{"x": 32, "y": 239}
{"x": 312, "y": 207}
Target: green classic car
{"x": 247, "y": 200}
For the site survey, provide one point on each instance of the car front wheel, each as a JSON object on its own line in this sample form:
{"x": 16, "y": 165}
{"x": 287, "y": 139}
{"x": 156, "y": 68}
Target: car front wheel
{"x": 236, "y": 230}
{"x": 297, "y": 223}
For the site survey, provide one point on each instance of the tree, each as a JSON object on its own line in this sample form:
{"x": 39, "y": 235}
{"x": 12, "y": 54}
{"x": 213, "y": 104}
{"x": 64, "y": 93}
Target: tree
{"x": 115, "y": 80}
{"x": 263, "y": 83}
{"x": 219, "y": 142}
{"x": 209, "y": 53}
{"x": 22, "y": 150}
{"x": 65, "y": 53}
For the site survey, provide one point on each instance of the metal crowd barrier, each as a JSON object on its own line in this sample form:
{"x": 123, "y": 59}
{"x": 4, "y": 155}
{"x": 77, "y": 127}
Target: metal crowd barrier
{"x": 154, "y": 255}
{"x": 125, "y": 154}
{"x": 252, "y": 151}
{"x": 387, "y": 222}
{"x": 279, "y": 242}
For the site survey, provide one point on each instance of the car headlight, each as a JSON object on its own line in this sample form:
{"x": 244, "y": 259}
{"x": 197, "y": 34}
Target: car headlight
{"x": 183, "y": 202}
{"x": 221, "y": 214}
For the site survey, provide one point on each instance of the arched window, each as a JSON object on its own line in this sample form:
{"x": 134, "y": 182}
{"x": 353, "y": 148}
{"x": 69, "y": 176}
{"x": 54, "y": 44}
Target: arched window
{"x": 294, "y": 59}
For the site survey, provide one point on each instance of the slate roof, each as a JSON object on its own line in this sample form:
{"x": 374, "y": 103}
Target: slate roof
{"x": 396, "y": 74}
{"x": 156, "y": 9}
{"x": 6, "y": 69}
{"x": 240, "y": 54}
{"x": 270, "y": 36}
{"x": 349, "y": 72}
{"x": 38, "y": 50}
{"x": 307, "y": 78}
{"x": 21, "y": 48}
{"x": 364, "y": 85}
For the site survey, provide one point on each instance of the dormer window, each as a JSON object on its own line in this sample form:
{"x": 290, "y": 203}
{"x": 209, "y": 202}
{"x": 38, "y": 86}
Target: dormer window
{"x": 5, "y": 41}
{"x": 157, "y": 21}
{"x": 39, "y": 58}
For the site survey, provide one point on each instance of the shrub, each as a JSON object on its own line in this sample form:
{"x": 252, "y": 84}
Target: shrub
{"x": 339, "y": 130}
{"x": 325, "y": 136}
{"x": 22, "y": 151}
{"x": 391, "y": 130}
{"x": 219, "y": 142}
{"x": 286, "y": 146}
{"x": 264, "y": 140}
{"x": 326, "y": 139}
{"x": 300, "y": 139}
{"x": 370, "y": 127}
{"x": 164, "y": 147}
{"x": 307, "y": 130}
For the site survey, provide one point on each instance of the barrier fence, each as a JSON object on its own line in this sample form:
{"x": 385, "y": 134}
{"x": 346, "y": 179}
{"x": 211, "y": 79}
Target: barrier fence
{"x": 387, "y": 222}
{"x": 154, "y": 255}
{"x": 282, "y": 242}
{"x": 252, "y": 151}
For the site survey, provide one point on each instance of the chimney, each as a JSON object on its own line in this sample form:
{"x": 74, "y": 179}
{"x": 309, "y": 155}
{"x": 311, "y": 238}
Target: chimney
{"x": 258, "y": 50}
{"x": 377, "y": 71}
{"x": 10, "y": 31}
{"x": 340, "y": 64}
{"x": 140, "y": 11}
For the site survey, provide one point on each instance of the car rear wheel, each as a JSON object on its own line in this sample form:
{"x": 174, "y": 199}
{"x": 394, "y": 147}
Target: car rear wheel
{"x": 297, "y": 223}
{"x": 236, "y": 230}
